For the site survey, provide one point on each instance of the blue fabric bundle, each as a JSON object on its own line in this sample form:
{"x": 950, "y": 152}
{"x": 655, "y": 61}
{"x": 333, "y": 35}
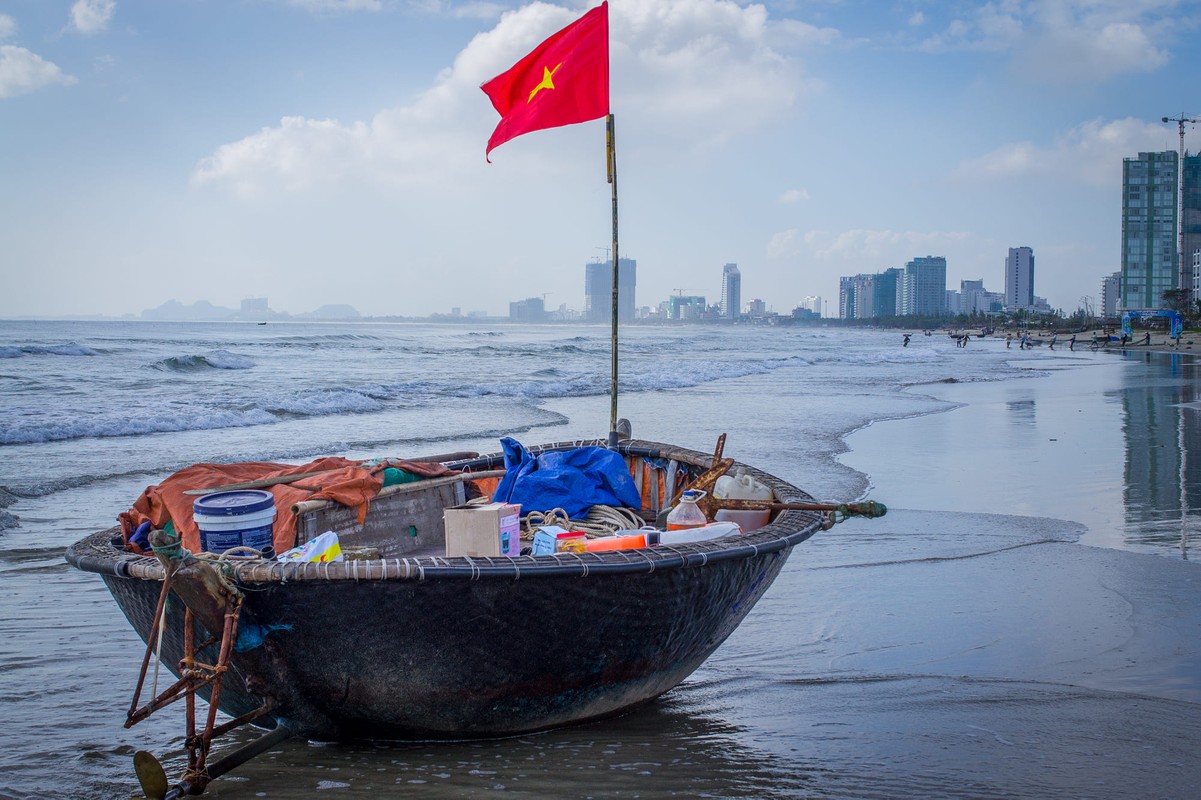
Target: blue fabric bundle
{"x": 573, "y": 480}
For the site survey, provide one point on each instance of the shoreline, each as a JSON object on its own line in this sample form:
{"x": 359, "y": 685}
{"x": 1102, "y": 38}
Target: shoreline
{"x": 1159, "y": 341}
{"x": 1078, "y": 440}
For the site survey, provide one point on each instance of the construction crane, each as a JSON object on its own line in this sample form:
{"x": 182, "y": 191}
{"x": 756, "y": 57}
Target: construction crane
{"x": 1184, "y": 278}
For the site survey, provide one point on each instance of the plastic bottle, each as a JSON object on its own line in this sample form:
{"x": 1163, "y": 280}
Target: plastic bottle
{"x": 687, "y": 514}
{"x": 743, "y": 487}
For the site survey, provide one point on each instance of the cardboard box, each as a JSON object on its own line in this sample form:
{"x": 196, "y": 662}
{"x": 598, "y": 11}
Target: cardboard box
{"x": 487, "y": 529}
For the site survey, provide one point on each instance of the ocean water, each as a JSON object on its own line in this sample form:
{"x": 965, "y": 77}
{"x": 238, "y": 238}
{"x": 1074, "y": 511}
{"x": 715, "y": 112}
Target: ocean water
{"x": 1024, "y": 623}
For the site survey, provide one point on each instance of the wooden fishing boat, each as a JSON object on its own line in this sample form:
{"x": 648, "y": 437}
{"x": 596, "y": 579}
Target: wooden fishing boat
{"x": 414, "y": 645}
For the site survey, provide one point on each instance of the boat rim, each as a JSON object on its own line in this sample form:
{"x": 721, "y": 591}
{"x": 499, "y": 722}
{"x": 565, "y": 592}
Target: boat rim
{"x": 98, "y": 552}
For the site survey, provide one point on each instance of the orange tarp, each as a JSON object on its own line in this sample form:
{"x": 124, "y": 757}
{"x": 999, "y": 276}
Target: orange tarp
{"x": 342, "y": 480}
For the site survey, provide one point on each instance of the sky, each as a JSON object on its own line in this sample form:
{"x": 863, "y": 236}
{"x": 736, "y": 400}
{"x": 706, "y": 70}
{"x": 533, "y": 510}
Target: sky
{"x": 332, "y": 151}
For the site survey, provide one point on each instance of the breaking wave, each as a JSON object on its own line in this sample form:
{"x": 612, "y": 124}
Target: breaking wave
{"x": 69, "y": 349}
{"x": 217, "y": 359}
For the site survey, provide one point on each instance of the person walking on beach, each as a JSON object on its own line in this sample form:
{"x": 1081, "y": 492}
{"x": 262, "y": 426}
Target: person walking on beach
{"x": 905, "y": 343}
{"x": 1008, "y": 340}
{"x": 1147, "y": 339}
{"x": 1072, "y": 342}
{"x": 1053, "y": 340}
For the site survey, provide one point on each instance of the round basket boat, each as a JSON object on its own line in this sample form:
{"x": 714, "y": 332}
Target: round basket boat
{"x": 414, "y": 645}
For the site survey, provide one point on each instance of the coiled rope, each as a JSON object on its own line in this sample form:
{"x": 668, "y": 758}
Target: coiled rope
{"x": 600, "y": 521}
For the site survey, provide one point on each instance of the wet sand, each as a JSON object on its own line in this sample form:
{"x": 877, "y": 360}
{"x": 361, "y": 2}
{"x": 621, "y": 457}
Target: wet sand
{"x": 1097, "y": 443}
{"x": 1091, "y": 437}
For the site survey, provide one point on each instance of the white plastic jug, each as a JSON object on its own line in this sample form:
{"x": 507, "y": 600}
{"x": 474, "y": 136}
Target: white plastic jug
{"x": 743, "y": 487}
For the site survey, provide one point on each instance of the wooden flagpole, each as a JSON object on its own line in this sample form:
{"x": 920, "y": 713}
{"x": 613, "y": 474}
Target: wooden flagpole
{"x": 611, "y": 159}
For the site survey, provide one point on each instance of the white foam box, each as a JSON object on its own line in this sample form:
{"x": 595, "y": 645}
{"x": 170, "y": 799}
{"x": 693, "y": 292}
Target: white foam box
{"x": 487, "y": 529}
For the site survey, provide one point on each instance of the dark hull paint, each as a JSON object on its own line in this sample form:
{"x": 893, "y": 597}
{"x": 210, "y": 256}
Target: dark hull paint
{"x": 472, "y": 653}
{"x": 461, "y": 659}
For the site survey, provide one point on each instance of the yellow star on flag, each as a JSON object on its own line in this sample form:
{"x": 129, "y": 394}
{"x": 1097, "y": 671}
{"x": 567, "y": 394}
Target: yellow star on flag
{"x": 547, "y": 83}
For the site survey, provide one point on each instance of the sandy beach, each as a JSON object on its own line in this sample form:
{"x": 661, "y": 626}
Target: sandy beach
{"x": 1158, "y": 341}
{"x": 1099, "y": 443}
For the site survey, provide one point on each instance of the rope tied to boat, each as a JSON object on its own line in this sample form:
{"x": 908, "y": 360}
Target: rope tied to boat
{"x": 170, "y": 547}
{"x": 868, "y": 508}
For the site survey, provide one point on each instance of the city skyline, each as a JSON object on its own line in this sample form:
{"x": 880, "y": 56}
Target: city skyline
{"x": 332, "y": 151}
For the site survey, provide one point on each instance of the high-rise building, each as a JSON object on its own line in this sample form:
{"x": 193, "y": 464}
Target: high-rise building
{"x": 731, "y": 291}
{"x": 1111, "y": 293}
{"x": 884, "y": 301}
{"x": 867, "y": 296}
{"x": 1019, "y": 278}
{"x": 598, "y": 290}
{"x": 1196, "y": 274}
{"x": 1191, "y": 217}
{"x": 686, "y": 307}
{"x": 846, "y": 297}
{"x": 855, "y": 295}
{"x": 923, "y": 287}
{"x": 975, "y": 299}
{"x": 1149, "y": 243}
{"x": 532, "y": 309}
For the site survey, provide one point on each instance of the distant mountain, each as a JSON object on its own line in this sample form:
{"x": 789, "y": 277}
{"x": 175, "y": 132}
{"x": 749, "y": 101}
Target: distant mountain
{"x": 200, "y": 311}
{"x": 204, "y": 311}
{"x": 331, "y": 311}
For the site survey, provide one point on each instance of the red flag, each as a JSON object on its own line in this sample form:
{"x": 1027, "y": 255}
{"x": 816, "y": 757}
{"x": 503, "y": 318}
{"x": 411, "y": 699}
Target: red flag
{"x": 562, "y": 81}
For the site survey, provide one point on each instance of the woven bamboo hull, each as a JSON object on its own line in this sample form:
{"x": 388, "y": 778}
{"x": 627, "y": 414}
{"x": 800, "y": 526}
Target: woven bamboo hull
{"x": 482, "y": 650}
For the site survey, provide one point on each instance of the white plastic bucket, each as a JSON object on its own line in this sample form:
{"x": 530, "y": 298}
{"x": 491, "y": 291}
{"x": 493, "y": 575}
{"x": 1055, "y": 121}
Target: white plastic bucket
{"x": 242, "y": 518}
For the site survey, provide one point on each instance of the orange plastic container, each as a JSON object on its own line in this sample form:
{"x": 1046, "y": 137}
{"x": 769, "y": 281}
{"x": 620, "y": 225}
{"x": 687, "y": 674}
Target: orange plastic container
{"x": 603, "y": 543}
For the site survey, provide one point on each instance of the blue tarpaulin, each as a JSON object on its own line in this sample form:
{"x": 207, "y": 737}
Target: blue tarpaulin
{"x": 573, "y": 480}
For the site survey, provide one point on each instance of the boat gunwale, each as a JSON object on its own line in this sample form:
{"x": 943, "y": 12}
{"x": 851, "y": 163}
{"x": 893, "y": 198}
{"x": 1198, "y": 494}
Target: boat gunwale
{"x": 96, "y": 553}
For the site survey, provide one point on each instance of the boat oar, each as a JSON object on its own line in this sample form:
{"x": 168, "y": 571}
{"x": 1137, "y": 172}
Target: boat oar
{"x": 154, "y": 780}
{"x": 869, "y": 508}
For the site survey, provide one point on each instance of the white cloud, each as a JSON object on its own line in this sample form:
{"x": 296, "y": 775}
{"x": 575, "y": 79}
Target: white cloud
{"x": 1068, "y": 41}
{"x": 794, "y": 195}
{"x": 687, "y": 73}
{"x": 783, "y": 244}
{"x": 1090, "y": 154}
{"x": 22, "y": 72}
{"x": 1091, "y": 54}
{"x": 92, "y": 16}
{"x": 8, "y": 26}
{"x": 296, "y": 155}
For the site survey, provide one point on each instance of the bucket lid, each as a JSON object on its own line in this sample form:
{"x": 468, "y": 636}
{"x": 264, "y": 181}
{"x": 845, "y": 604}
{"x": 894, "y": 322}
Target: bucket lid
{"x": 235, "y": 503}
